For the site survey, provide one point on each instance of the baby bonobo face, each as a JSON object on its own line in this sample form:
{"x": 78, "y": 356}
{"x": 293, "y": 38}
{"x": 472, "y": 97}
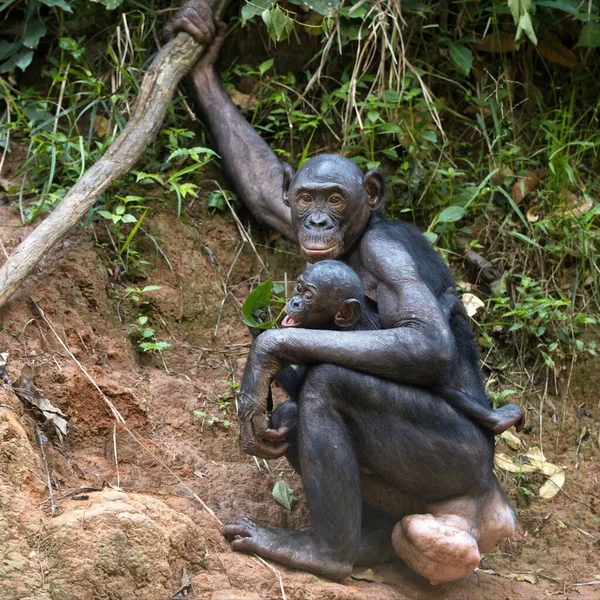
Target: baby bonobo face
{"x": 328, "y": 295}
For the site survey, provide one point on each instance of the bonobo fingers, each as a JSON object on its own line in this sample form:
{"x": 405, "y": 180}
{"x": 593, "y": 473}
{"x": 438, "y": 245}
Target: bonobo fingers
{"x": 275, "y": 435}
{"x": 212, "y": 53}
{"x": 253, "y": 444}
{"x": 506, "y": 416}
{"x": 194, "y": 17}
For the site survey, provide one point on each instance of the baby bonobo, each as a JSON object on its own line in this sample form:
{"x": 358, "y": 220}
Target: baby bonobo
{"x": 329, "y": 295}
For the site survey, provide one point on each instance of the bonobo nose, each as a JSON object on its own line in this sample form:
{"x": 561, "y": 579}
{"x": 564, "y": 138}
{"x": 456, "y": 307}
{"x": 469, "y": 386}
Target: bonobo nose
{"x": 320, "y": 221}
{"x": 295, "y": 303}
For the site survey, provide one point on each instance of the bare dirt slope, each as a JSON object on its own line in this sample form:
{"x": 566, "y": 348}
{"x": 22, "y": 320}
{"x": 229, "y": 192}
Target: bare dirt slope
{"x": 127, "y": 520}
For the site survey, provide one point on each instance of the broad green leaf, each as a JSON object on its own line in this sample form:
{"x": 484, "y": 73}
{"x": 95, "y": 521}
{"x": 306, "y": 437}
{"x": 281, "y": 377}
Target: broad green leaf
{"x": 129, "y": 219}
{"x": 150, "y": 288}
{"x": 252, "y": 8}
{"x": 60, "y": 3}
{"x": 430, "y": 236}
{"x": 462, "y": 57}
{"x": 564, "y": 5}
{"x": 111, "y": 4}
{"x": 33, "y": 32}
{"x": 525, "y": 25}
{"x": 430, "y": 136}
{"x": 264, "y": 67}
{"x": 590, "y": 36}
{"x": 280, "y": 26}
{"x": 284, "y": 495}
{"x": 8, "y": 48}
{"x": 258, "y": 300}
{"x": 21, "y": 59}
{"x": 327, "y": 8}
{"x": 145, "y": 178}
{"x": 451, "y": 214}
{"x": 216, "y": 201}
{"x": 391, "y": 96}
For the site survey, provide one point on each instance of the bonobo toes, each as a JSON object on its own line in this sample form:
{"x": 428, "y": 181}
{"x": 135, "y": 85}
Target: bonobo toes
{"x": 435, "y": 547}
{"x": 506, "y": 416}
{"x": 298, "y": 549}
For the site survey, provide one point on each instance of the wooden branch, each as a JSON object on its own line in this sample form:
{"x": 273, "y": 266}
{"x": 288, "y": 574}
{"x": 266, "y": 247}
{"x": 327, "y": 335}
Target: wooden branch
{"x": 171, "y": 64}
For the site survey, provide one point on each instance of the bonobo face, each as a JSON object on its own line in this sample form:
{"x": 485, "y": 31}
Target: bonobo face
{"x": 331, "y": 202}
{"x": 327, "y": 295}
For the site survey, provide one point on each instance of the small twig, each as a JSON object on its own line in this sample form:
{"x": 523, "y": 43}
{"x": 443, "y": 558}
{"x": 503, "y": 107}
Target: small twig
{"x": 277, "y": 573}
{"x": 593, "y": 537}
{"x": 3, "y": 249}
{"x": 116, "y": 453}
{"x": 53, "y": 506}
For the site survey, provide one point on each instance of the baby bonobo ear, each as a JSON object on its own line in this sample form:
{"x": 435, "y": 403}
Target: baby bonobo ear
{"x": 348, "y": 313}
{"x": 288, "y": 173}
{"x": 375, "y": 188}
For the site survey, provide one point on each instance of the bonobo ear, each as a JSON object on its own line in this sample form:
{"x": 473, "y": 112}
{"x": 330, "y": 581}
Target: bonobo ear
{"x": 288, "y": 173}
{"x": 348, "y": 313}
{"x": 375, "y": 188}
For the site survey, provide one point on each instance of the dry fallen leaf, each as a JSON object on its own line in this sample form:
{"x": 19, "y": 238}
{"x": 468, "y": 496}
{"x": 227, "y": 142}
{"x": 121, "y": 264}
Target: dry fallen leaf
{"x": 528, "y": 577}
{"x": 25, "y": 389}
{"x": 368, "y": 575}
{"x": 240, "y": 99}
{"x": 552, "y": 485}
{"x": 506, "y": 463}
{"x": 532, "y": 215}
{"x": 586, "y": 205}
{"x": 552, "y": 49}
{"x": 100, "y": 125}
{"x": 511, "y": 439}
{"x": 526, "y": 185}
{"x": 472, "y": 303}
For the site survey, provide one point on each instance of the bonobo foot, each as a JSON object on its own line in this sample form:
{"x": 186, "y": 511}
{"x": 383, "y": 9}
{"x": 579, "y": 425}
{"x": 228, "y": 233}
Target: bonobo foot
{"x": 506, "y": 416}
{"x": 297, "y": 549}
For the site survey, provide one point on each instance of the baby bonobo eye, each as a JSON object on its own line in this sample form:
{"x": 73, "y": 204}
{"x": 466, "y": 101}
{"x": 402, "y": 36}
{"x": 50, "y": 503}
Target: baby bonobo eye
{"x": 308, "y": 297}
{"x": 335, "y": 199}
{"x": 298, "y": 289}
{"x": 305, "y": 198}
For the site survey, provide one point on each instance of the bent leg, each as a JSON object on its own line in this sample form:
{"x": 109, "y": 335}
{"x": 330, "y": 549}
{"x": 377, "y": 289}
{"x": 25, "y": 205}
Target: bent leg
{"x": 331, "y": 482}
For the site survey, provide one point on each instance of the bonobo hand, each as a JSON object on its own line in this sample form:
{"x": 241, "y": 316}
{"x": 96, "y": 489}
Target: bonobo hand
{"x": 256, "y": 437}
{"x": 196, "y": 18}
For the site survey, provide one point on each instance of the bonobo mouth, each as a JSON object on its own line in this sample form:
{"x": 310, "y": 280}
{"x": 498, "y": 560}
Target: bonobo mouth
{"x": 290, "y": 322}
{"x": 320, "y": 253}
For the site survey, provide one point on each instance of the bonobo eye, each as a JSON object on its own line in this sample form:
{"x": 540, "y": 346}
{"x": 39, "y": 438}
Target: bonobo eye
{"x": 308, "y": 297}
{"x": 335, "y": 199}
{"x": 298, "y": 289}
{"x": 305, "y": 198}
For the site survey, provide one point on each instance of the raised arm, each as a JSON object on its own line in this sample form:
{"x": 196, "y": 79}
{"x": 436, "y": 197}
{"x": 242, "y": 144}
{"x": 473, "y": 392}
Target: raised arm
{"x": 250, "y": 164}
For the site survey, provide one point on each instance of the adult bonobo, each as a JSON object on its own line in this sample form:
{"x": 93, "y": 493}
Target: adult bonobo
{"x": 430, "y": 469}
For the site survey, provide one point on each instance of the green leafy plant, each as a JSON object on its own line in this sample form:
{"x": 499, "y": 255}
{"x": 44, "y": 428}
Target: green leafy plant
{"x": 257, "y": 306}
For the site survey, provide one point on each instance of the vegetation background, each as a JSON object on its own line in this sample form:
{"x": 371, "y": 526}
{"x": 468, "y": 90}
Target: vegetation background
{"x": 482, "y": 114}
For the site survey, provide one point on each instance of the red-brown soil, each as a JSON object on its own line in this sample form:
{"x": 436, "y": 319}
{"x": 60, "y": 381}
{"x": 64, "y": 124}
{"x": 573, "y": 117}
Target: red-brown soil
{"x": 146, "y": 528}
